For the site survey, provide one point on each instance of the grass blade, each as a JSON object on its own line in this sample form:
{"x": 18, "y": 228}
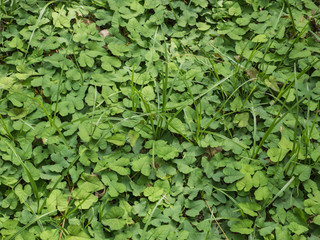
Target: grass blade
{"x": 144, "y": 233}
{"x": 32, "y": 182}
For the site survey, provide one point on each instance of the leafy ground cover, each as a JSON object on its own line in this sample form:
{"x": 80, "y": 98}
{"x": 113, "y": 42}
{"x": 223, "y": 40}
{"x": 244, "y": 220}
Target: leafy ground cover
{"x": 159, "y": 119}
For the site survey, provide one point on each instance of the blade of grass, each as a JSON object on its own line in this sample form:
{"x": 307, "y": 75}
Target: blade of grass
{"x": 252, "y": 235}
{"x": 37, "y": 218}
{"x": 215, "y": 219}
{"x": 155, "y": 127}
{"x": 223, "y": 191}
{"x": 271, "y": 40}
{"x": 4, "y": 126}
{"x": 292, "y": 45}
{"x": 64, "y": 220}
{"x": 214, "y": 69}
{"x": 312, "y": 128}
{"x": 254, "y": 128}
{"x": 280, "y": 191}
{"x": 32, "y": 182}
{"x": 297, "y": 109}
{"x": 198, "y": 112}
{"x": 230, "y": 140}
{"x": 165, "y": 79}
{"x": 276, "y": 120}
{"x": 220, "y": 109}
{"x": 290, "y": 13}
{"x": 144, "y": 233}
{"x": 101, "y": 209}
{"x": 64, "y": 173}
{"x": 37, "y": 23}
{"x": 134, "y": 106}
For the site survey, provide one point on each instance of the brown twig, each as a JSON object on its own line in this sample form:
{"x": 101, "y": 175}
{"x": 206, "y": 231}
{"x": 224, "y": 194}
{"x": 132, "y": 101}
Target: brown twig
{"x": 64, "y": 220}
{"x": 164, "y": 196}
{"x": 216, "y": 220}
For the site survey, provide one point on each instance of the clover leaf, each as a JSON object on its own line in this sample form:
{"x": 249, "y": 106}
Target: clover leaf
{"x": 142, "y": 165}
{"x": 162, "y": 149}
{"x": 243, "y": 226}
{"x": 108, "y": 63}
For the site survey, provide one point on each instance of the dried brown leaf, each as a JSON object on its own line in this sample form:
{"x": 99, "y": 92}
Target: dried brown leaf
{"x": 104, "y": 33}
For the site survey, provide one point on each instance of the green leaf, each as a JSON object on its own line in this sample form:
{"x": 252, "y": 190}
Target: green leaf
{"x": 59, "y": 61}
{"x": 10, "y": 201}
{"x": 118, "y": 48}
{"x": 297, "y": 228}
{"x": 260, "y": 38}
{"x": 290, "y": 96}
{"x": 245, "y": 183}
{"x": 133, "y": 137}
{"x": 203, "y": 26}
{"x": 22, "y": 194}
{"x": 150, "y": 4}
{"x": 113, "y": 218}
{"x": 185, "y": 163}
{"x": 85, "y": 60}
{"x": 201, "y": 3}
{"x": 285, "y": 144}
{"x": 90, "y": 183}
{"x": 277, "y": 154}
{"x": 244, "y": 20}
{"x": 65, "y": 108}
{"x": 153, "y": 193}
{"x": 250, "y": 208}
{"x": 303, "y": 171}
{"x": 272, "y": 83}
{"x": 57, "y": 200}
{"x": 235, "y": 145}
{"x": 316, "y": 220}
{"x": 84, "y": 131}
{"x": 60, "y": 19}
{"x": 6, "y": 82}
{"x": 177, "y": 126}
{"x": 148, "y": 93}
{"x": 262, "y": 193}
{"x": 117, "y": 139}
{"x": 115, "y": 188}
{"x": 194, "y": 207}
{"x": 162, "y": 149}
{"x": 50, "y": 234}
{"x": 73, "y": 74}
{"x": 242, "y": 119}
{"x": 114, "y": 224}
{"x": 50, "y": 43}
{"x": 259, "y": 179}
{"x": 35, "y": 172}
{"x": 84, "y": 200}
{"x": 17, "y": 113}
{"x": 267, "y": 229}
{"x": 312, "y": 204}
{"x": 299, "y": 51}
{"x": 243, "y": 226}
{"x": 81, "y": 34}
{"x": 236, "y": 104}
{"x": 108, "y": 63}
{"x": 120, "y": 165}
{"x": 76, "y": 233}
{"x": 142, "y": 164}
{"x": 16, "y": 42}
{"x": 235, "y": 10}
{"x": 232, "y": 175}
{"x": 93, "y": 96}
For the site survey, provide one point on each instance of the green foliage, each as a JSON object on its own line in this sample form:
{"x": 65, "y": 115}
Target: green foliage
{"x": 154, "y": 119}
